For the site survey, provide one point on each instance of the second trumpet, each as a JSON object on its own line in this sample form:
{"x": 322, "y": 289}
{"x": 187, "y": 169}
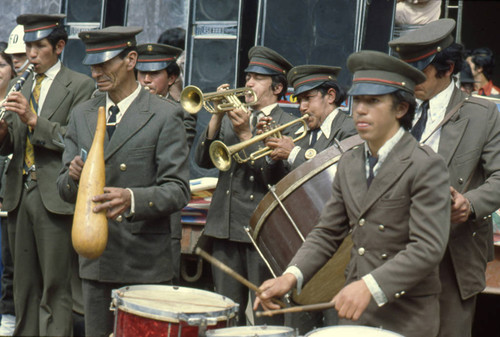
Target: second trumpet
{"x": 193, "y": 99}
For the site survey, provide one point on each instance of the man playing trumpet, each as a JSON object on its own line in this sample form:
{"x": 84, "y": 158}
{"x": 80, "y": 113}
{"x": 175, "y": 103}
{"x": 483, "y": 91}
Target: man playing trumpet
{"x": 240, "y": 188}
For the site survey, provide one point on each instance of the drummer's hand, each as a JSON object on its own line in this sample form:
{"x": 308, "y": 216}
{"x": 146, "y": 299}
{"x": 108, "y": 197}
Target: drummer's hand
{"x": 281, "y": 147}
{"x": 275, "y": 287}
{"x": 241, "y": 123}
{"x": 352, "y": 300}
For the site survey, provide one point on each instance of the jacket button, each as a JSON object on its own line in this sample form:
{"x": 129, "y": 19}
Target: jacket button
{"x": 151, "y": 204}
{"x": 202, "y": 143}
{"x": 397, "y": 295}
{"x": 474, "y": 234}
{"x": 227, "y": 192}
{"x": 381, "y": 228}
{"x": 251, "y": 197}
{"x": 68, "y": 187}
{"x": 402, "y": 292}
{"x": 123, "y": 167}
{"x": 361, "y": 251}
{"x": 383, "y": 256}
{"x": 119, "y": 218}
{"x": 460, "y": 181}
{"x": 362, "y": 222}
{"x": 251, "y": 178}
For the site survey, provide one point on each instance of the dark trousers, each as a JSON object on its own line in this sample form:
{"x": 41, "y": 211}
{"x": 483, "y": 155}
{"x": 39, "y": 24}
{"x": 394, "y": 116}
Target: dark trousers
{"x": 7, "y": 299}
{"x": 245, "y": 260}
{"x": 42, "y": 267}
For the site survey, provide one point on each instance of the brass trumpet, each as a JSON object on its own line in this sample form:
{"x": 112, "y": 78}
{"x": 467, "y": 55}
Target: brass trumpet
{"x": 193, "y": 99}
{"x": 221, "y": 154}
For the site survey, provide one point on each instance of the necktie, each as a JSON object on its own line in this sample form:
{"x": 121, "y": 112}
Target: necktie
{"x": 111, "y": 124}
{"x": 314, "y": 137}
{"x": 372, "y": 161}
{"x": 419, "y": 127}
{"x": 29, "y": 153}
{"x": 254, "y": 119}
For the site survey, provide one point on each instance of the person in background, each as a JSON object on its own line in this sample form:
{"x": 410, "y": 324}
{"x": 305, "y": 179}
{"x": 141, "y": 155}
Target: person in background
{"x": 17, "y": 49}
{"x": 176, "y": 37}
{"x": 466, "y": 79}
{"x": 417, "y": 12}
{"x": 482, "y": 64}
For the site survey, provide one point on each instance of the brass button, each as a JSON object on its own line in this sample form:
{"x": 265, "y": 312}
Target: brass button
{"x": 227, "y": 192}
{"x": 123, "y": 167}
{"x": 68, "y": 187}
{"x": 402, "y": 292}
{"x": 460, "y": 181}
{"x": 251, "y": 197}
{"x": 381, "y": 228}
{"x": 474, "y": 234}
{"x": 361, "y": 251}
{"x": 383, "y": 256}
{"x": 397, "y": 295}
{"x": 362, "y": 222}
{"x": 151, "y": 204}
{"x": 251, "y": 178}
{"x": 119, "y": 218}
{"x": 202, "y": 143}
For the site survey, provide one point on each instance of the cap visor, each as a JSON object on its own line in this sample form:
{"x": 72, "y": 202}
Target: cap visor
{"x": 422, "y": 64}
{"x": 261, "y": 70}
{"x": 306, "y": 87}
{"x": 96, "y": 58}
{"x": 150, "y": 66}
{"x": 370, "y": 89}
{"x": 37, "y": 35}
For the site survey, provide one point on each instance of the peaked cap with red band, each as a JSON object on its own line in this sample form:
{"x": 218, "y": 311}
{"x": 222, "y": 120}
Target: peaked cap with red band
{"x": 266, "y": 61}
{"x": 377, "y": 73}
{"x": 419, "y": 47}
{"x": 154, "y": 57}
{"x": 307, "y": 77}
{"x": 39, "y": 26}
{"x": 103, "y": 44}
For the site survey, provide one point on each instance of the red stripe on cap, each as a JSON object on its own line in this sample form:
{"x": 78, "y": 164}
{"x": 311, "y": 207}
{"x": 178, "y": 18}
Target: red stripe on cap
{"x": 40, "y": 28}
{"x": 432, "y": 52}
{"x": 376, "y": 80}
{"x": 268, "y": 65}
{"x": 313, "y": 79}
{"x": 108, "y": 47}
{"x": 156, "y": 60}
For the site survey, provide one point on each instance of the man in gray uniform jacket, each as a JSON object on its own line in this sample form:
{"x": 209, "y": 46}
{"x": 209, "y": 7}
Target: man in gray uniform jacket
{"x": 147, "y": 174}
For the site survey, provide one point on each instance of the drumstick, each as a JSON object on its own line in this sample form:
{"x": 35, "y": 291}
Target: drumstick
{"x": 310, "y": 307}
{"x": 234, "y": 274}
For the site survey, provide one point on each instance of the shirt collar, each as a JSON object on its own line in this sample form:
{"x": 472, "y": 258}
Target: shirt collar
{"x": 124, "y": 104}
{"x": 384, "y": 151}
{"x": 52, "y": 71}
{"x": 267, "y": 110}
{"x": 439, "y": 103}
{"x": 326, "y": 126}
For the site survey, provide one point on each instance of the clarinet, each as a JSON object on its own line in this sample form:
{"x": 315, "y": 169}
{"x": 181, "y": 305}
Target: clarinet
{"x": 17, "y": 87}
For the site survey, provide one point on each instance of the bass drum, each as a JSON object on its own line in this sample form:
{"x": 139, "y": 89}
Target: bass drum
{"x": 352, "y": 331}
{"x": 288, "y": 213}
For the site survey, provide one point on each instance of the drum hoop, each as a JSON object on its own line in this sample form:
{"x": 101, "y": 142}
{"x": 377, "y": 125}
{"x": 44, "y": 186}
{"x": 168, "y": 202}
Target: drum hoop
{"x": 353, "y": 327}
{"x": 252, "y": 331}
{"x": 291, "y": 189}
{"x": 168, "y": 316}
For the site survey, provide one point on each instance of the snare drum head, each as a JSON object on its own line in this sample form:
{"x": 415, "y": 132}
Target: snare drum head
{"x": 352, "y": 331}
{"x": 173, "y": 304}
{"x": 253, "y": 331}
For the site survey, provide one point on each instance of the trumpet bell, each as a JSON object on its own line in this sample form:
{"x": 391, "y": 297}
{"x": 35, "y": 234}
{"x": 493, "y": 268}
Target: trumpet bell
{"x": 220, "y": 155}
{"x": 191, "y": 99}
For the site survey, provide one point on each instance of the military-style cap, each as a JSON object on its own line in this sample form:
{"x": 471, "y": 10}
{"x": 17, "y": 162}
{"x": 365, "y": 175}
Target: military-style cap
{"x": 154, "y": 57}
{"x": 377, "y": 73}
{"x": 307, "y": 77}
{"x": 266, "y": 61}
{"x": 104, "y": 44}
{"x": 420, "y": 46}
{"x": 39, "y": 26}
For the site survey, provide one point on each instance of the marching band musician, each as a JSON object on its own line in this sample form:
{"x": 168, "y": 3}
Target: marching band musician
{"x": 157, "y": 70}
{"x": 320, "y": 96}
{"x": 240, "y": 189}
{"x": 392, "y": 194}
{"x": 469, "y": 142}
{"x": 147, "y": 174}
{"x": 39, "y": 220}
{"x": 17, "y": 49}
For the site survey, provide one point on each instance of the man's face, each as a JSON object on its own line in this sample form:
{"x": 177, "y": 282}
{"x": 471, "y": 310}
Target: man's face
{"x": 262, "y": 86}
{"x": 376, "y": 119}
{"x": 317, "y": 106}
{"x": 43, "y": 55}
{"x": 110, "y": 74}
{"x": 432, "y": 85}
{"x": 19, "y": 60}
{"x": 158, "y": 82}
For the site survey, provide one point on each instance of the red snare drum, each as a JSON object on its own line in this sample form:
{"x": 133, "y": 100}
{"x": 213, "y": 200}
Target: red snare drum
{"x": 168, "y": 311}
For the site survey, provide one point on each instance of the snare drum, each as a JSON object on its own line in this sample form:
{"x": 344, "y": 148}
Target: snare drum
{"x": 165, "y": 311}
{"x": 253, "y": 331}
{"x": 352, "y": 331}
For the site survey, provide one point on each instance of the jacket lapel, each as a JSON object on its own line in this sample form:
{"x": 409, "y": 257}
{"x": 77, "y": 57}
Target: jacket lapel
{"x": 57, "y": 92}
{"x": 356, "y": 177}
{"x": 91, "y": 116}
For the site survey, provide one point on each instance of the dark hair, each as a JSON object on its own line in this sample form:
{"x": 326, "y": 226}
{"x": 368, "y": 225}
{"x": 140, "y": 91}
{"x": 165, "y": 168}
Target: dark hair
{"x": 401, "y": 96}
{"x": 173, "y": 69}
{"x": 454, "y": 54}
{"x": 175, "y": 37}
{"x": 125, "y": 51}
{"x": 56, "y": 35}
{"x": 279, "y": 79}
{"x": 8, "y": 59}
{"x": 340, "y": 93}
{"x": 483, "y": 57}
{"x": 3, "y": 45}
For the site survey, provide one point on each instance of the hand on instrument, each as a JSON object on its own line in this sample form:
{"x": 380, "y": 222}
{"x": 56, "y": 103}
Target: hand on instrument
{"x": 460, "y": 207}
{"x": 216, "y": 118}
{"x": 281, "y": 147}
{"x": 352, "y": 300}
{"x": 115, "y": 201}
{"x": 241, "y": 123}
{"x": 75, "y": 168}
{"x": 17, "y": 103}
{"x": 263, "y": 125}
{"x": 275, "y": 287}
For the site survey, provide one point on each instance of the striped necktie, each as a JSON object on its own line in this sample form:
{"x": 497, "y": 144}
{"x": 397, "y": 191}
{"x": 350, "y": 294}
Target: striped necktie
{"x": 29, "y": 154}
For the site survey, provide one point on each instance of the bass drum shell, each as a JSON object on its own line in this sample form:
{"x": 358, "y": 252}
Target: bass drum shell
{"x": 253, "y": 331}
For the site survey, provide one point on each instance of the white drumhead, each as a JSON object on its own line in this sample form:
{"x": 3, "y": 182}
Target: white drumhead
{"x": 253, "y": 331}
{"x": 352, "y": 331}
{"x": 181, "y": 303}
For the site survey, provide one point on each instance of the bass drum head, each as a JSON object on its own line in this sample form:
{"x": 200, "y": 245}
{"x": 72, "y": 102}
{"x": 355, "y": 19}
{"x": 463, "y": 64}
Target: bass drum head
{"x": 253, "y": 331}
{"x": 352, "y": 331}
